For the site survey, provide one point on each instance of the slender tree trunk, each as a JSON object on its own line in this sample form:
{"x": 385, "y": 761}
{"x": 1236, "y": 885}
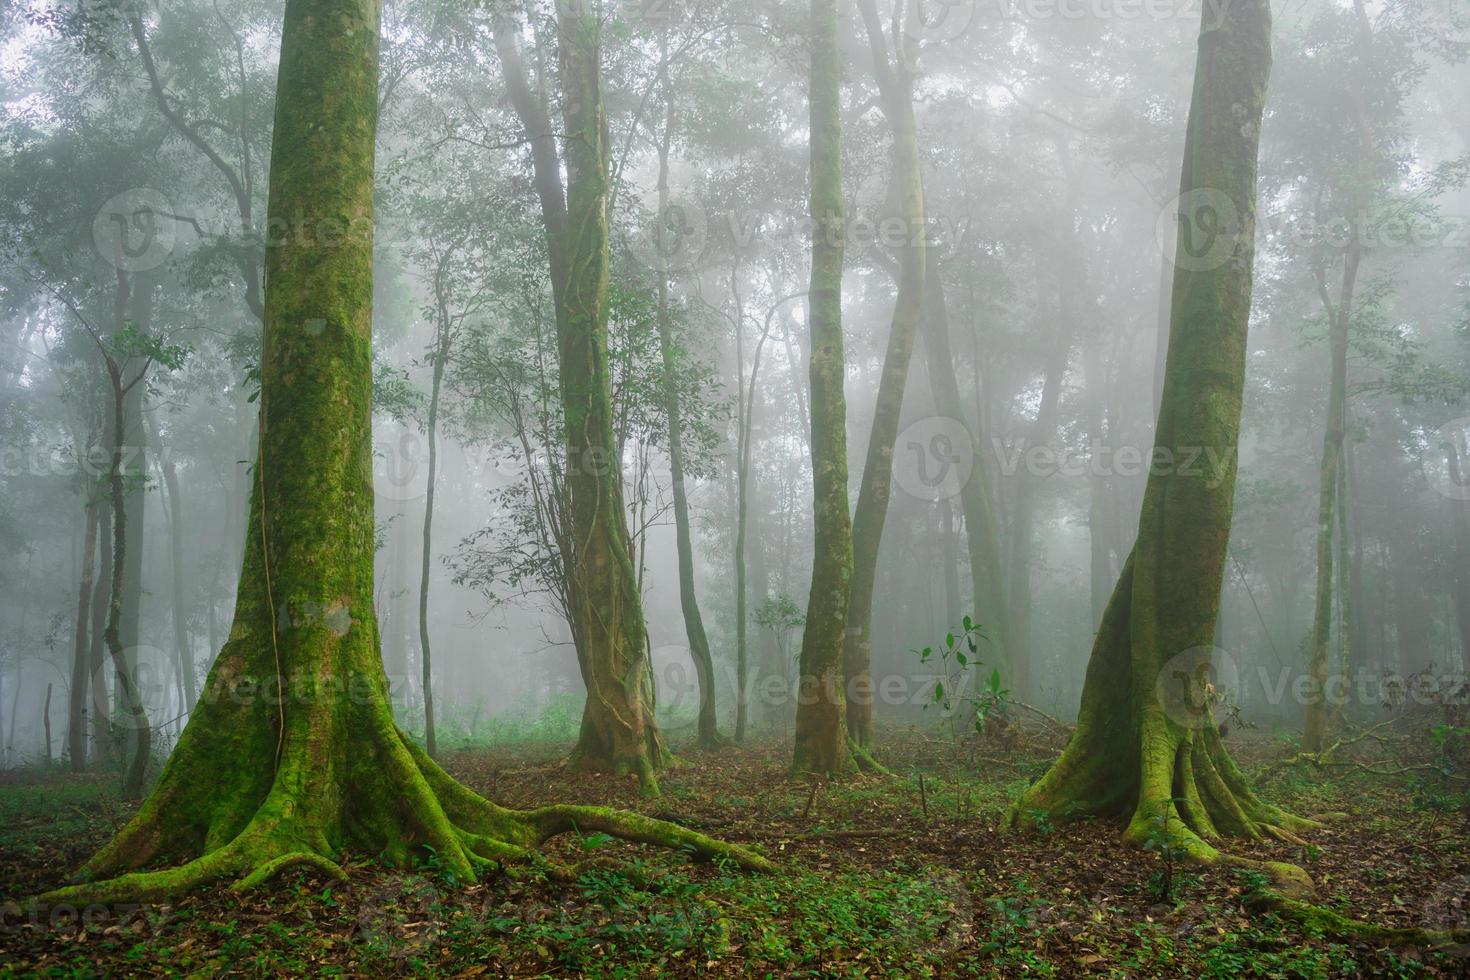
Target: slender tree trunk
{"x": 949, "y": 554}
{"x": 46, "y": 723}
{"x": 441, "y": 355}
{"x": 1319, "y": 665}
{"x": 821, "y": 709}
{"x": 102, "y": 742}
{"x": 895, "y": 84}
{"x": 81, "y": 666}
{"x": 977, "y": 503}
{"x": 1146, "y": 743}
{"x": 1460, "y": 519}
{"x": 699, "y": 651}
{"x": 140, "y": 740}
{"x": 139, "y": 313}
{"x": 183, "y": 646}
{"x": 744, "y": 426}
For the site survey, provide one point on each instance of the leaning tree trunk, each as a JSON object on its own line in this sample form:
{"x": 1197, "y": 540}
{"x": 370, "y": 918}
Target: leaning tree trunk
{"x": 821, "y": 708}
{"x": 1146, "y": 745}
{"x": 260, "y": 783}
{"x": 896, "y": 87}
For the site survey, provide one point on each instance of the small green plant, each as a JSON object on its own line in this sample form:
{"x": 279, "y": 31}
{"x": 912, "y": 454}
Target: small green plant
{"x": 1164, "y": 842}
{"x": 957, "y": 659}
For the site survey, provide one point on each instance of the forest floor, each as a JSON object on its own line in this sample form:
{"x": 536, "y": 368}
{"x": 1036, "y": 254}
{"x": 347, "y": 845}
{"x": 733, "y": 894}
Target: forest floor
{"x": 880, "y": 877}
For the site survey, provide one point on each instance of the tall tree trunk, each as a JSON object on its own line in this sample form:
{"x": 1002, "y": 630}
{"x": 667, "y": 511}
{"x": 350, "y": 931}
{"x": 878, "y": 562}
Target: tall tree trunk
{"x": 895, "y": 85}
{"x": 1146, "y": 743}
{"x": 821, "y": 708}
{"x": 619, "y": 733}
{"x": 139, "y": 734}
{"x": 699, "y": 651}
{"x": 81, "y": 666}
{"x": 431, "y": 433}
{"x": 258, "y": 784}
{"x": 1319, "y": 665}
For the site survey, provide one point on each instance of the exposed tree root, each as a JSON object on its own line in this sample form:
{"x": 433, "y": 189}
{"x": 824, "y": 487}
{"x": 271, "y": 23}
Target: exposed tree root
{"x": 865, "y": 761}
{"x": 433, "y": 814}
{"x": 1324, "y": 921}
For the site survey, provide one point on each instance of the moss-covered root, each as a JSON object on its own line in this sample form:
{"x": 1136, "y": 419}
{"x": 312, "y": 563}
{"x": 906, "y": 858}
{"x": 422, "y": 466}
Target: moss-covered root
{"x": 1323, "y": 921}
{"x": 625, "y": 825}
{"x": 865, "y": 761}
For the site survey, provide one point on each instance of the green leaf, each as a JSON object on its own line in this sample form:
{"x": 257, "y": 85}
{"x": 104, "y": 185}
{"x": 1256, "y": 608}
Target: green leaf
{"x": 938, "y": 691}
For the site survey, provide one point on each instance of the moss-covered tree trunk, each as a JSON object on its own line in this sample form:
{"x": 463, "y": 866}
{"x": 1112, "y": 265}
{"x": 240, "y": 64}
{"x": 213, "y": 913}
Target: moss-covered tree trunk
{"x": 821, "y": 708}
{"x": 1146, "y": 746}
{"x": 618, "y": 733}
{"x": 896, "y": 90}
{"x": 293, "y": 756}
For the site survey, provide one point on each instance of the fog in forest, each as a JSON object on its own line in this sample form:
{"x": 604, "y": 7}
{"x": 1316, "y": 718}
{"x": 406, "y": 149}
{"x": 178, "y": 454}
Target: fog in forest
{"x": 1048, "y": 133}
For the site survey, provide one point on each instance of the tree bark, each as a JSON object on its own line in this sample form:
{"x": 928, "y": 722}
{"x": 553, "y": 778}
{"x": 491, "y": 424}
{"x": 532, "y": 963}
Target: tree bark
{"x": 821, "y": 709}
